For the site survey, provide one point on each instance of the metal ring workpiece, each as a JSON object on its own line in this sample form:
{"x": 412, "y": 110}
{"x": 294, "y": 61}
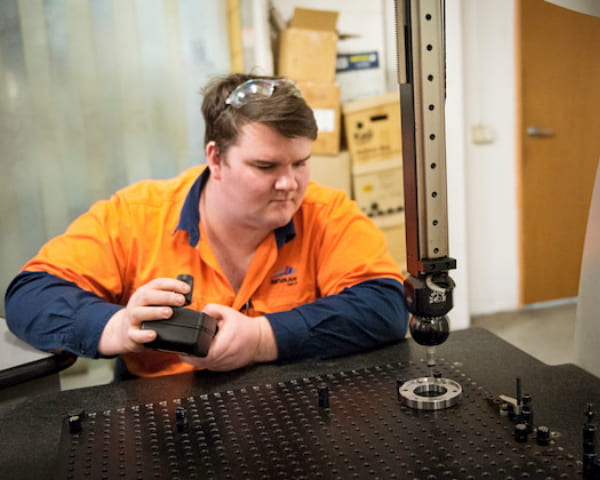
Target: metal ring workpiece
{"x": 430, "y": 393}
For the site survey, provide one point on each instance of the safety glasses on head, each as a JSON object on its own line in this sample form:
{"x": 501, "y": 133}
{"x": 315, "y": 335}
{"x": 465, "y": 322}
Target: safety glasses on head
{"x": 258, "y": 89}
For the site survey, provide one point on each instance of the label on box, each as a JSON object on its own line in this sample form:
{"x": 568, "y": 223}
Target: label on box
{"x": 325, "y": 118}
{"x": 379, "y": 191}
{"x": 347, "y": 62}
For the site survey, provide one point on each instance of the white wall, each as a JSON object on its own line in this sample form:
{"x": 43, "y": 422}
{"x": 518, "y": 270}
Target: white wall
{"x": 490, "y": 100}
{"x": 587, "y": 328}
{"x": 482, "y": 196}
{"x": 456, "y": 165}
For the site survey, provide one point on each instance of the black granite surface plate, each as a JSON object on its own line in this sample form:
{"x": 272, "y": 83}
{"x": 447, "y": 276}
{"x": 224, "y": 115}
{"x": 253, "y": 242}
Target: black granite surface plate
{"x": 279, "y": 430}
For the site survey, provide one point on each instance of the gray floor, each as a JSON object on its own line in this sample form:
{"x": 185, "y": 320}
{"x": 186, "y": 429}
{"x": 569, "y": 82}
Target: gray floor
{"x": 87, "y": 373}
{"x": 544, "y": 331}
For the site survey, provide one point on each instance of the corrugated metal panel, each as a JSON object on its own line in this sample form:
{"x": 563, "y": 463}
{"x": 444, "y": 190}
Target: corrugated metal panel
{"x": 94, "y": 95}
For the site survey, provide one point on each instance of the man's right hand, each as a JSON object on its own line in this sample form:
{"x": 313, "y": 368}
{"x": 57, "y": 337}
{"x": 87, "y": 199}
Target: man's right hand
{"x": 122, "y": 333}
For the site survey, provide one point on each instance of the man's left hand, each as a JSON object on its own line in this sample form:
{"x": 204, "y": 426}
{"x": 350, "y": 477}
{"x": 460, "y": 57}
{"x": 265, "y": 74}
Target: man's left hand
{"x": 240, "y": 341}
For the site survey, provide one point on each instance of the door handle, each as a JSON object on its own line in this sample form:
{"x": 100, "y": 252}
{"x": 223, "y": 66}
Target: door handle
{"x": 539, "y": 132}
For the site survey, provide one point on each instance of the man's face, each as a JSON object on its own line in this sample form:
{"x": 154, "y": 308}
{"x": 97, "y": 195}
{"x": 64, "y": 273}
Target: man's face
{"x": 264, "y": 176}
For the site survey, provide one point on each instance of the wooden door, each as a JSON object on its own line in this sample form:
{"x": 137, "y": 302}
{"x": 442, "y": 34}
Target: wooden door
{"x": 558, "y": 72}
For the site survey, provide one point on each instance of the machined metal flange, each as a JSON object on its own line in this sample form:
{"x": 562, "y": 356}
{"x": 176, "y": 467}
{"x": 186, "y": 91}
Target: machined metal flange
{"x": 430, "y": 393}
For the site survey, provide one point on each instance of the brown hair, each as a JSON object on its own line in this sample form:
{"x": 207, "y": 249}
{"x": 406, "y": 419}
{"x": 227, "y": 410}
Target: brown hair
{"x": 284, "y": 111}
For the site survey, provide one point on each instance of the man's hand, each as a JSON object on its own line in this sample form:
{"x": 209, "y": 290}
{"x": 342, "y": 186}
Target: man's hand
{"x": 122, "y": 333}
{"x": 240, "y": 341}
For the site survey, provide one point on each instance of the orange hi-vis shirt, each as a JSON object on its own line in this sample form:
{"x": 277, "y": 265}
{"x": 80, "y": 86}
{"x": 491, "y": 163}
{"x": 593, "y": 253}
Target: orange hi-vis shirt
{"x": 152, "y": 229}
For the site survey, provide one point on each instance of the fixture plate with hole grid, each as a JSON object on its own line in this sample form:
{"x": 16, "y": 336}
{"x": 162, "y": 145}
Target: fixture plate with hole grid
{"x": 279, "y": 431}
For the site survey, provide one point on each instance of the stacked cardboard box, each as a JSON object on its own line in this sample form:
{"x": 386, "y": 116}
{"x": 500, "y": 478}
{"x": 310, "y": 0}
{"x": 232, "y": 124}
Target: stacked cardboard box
{"x": 307, "y": 55}
{"x": 393, "y": 227}
{"x": 373, "y": 128}
{"x": 373, "y": 135}
{"x": 333, "y": 171}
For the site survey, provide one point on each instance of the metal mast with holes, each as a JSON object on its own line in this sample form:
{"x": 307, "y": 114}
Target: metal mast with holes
{"x": 428, "y": 288}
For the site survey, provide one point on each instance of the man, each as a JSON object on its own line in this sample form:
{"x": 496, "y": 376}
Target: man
{"x": 289, "y": 268}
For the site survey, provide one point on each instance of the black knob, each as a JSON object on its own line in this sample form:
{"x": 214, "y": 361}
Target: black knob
{"x": 527, "y": 417}
{"x": 323, "y": 391}
{"x": 521, "y": 432}
{"x": 542, "y": 436}
{"x": 181, "y": 419}
{"x": 74, "y": 419}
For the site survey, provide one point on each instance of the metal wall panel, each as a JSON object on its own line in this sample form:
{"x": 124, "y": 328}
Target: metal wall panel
{"x": 587, "y": 326}
{"x": 94, "y": 95}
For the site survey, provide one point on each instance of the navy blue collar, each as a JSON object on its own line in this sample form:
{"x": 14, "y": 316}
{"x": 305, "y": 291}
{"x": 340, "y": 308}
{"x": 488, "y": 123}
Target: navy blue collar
{"x": 189, "y": 218}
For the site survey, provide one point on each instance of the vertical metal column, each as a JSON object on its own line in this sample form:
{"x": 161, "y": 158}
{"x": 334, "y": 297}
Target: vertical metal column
{"x": 428, "y": 288}
{"x": 421, "y": 74}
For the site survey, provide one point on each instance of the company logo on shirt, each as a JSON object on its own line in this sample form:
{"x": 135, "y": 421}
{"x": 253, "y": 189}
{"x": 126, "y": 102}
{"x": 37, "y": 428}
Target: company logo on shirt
{"x": 285, "y": 275}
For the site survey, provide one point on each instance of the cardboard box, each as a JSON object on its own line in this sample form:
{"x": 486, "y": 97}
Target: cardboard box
{"x": 308, "y": 48}
{"x": 372, "y": 128}
{"x": 324, "y": 99}
{"x": 394, "y": 229}
{"x": 379, "y": 187}
{"x": 333, "y": 171}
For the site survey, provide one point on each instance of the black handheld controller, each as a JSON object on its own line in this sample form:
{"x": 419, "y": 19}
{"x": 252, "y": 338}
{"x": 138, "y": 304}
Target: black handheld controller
{"x": 187, "y": 331}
